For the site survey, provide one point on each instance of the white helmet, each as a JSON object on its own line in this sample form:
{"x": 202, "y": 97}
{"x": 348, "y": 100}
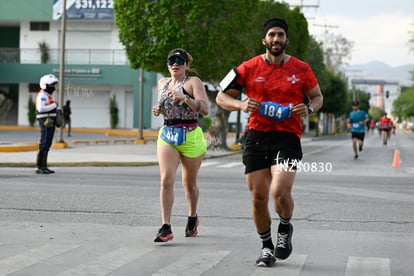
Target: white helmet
{"x": 47, "y": 79}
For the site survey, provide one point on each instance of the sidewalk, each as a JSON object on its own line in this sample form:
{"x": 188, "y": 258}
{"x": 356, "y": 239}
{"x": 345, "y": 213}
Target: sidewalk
{"x": 86, "y": 147}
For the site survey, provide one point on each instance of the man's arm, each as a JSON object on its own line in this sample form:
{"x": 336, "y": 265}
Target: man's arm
{"x": 315, "y": 102}
{"x": 227, "y": 101}
{"x": 366, "y": 118}
{"x": 315, "y": 98}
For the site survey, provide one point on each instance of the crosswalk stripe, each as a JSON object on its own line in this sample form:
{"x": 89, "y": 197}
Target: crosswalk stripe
{"x": 33, "y": 256}
{"x": 291, "y": 267}
{"x": 229, "y": 165}
{"x": 193, "y": 264}
{"x": 107, "y": 263}
{"x": 208, "y": 164}
{"x": 357, "y": 266}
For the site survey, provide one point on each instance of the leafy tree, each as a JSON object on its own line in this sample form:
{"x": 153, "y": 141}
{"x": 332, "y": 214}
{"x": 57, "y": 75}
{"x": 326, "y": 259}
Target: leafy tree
{"x": 251, "y": 39}
{"x": 209, "y": 30}
{"x": 298, "y": 27}
{"x": 375, "y": 113}
{"x": 335, "y": 94}
{"x": 298, "y": 42}
{"x": 218, "y": 34}
{"x": 314, "y": 56}
{"x": 403, "y": 106}
{"x": 31, "y": 111}
{"x": 113, "y": 112}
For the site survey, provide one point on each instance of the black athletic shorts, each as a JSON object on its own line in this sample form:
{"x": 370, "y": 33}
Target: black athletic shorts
{"x": 358, "y": 135}
{"x": 265, "y": 149}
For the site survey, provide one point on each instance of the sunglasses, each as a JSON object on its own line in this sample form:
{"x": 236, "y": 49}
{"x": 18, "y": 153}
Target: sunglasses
{"x": 175, "y": 60}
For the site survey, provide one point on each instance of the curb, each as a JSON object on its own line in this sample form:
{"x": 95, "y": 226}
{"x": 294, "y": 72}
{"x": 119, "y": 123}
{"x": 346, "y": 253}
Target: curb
{"x": 100, "y": 163}
{"x": 128, "y": 136}
{"x": 19, "y": 147}
{"x": 81, "y": 164}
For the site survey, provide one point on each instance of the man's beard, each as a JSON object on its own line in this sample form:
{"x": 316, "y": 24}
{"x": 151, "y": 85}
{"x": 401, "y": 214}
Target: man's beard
{"x": 276, "y": 53}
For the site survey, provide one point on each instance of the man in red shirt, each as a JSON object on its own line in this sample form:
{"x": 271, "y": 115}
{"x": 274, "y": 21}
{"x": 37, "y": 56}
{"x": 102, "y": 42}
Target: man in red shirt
{"x": 275, "y": 84}
{"x": 386, "y": 126}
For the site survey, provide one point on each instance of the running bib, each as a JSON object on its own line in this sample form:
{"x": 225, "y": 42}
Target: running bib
{"x": 275, "y": 111}
{"x": 355, "y": 125}
{"x": 174, "y": 135}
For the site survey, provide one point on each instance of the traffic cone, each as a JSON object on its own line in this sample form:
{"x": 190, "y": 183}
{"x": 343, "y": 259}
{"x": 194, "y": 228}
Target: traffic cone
{"x": 396, "y": 161}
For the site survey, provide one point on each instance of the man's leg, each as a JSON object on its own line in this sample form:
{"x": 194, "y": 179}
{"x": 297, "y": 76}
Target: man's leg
{"x": 69, "y": 127}
{"x": 50, "y": 132}
{"x": 354, "y": 147}
{"x": 42, "y": 147}
{"x": 361, "y": 141}
{"x": 282, "y": 182}
{"x": 259, "y": 184}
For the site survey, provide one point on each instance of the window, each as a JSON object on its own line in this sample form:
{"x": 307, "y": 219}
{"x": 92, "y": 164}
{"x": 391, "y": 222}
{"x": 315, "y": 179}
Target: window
{"x": 34, "y": 87}
{"x": 39, "y": 26}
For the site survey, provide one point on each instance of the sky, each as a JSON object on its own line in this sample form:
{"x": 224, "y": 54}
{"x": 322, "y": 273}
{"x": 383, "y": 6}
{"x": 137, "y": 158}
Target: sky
{"x": 379, "y": 29}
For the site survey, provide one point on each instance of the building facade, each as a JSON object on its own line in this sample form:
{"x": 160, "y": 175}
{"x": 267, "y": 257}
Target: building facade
{"x": 96, "y": 68}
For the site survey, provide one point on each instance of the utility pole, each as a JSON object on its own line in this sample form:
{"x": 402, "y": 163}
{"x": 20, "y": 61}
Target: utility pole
{"x": 301, "y": 6}
{"x": 141, "y": 139}
{"x": 326, "y": 27}
{"x": 327, "y": 51}
{"x": 62, "y": 67}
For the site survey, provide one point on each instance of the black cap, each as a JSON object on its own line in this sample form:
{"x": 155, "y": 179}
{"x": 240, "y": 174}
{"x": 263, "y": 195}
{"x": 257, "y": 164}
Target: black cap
{"x": 178, "y": 53}
{"x": 275, "y": 22}
{"x": 355, "y": 103}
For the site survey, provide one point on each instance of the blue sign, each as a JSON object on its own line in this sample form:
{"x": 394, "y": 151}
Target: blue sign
{"x": 85, "y": 9}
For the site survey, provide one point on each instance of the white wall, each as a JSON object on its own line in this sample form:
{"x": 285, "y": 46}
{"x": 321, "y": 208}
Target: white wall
{"x": 129, "y": 109}
{"x": 101, "y": 37}
{"x": 156, "y": 122}
{"x": 89, "y": 104}
{"x": 22, "y": 119}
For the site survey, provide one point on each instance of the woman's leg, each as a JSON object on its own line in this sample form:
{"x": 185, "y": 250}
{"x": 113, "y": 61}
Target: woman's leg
{"x": 168, "y": 159}
{"x": 190, "y": 169}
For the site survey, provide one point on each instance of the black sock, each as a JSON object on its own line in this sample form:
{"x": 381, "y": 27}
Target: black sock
{"x": 284, "y": 224}
{"x": 266, "y": 238}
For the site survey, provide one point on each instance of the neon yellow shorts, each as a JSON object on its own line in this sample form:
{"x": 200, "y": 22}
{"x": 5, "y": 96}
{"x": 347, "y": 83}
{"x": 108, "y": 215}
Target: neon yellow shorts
{"x": 194, "y": 146}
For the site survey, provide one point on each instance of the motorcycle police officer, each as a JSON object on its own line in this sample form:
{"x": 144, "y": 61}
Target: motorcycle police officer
{"x": 46, "y": 114}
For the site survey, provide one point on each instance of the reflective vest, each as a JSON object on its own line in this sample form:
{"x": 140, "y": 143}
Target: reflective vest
{"x": 45, "y": 105}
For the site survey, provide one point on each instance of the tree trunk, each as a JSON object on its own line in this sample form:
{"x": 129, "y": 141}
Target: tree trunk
{"x": 218, "y": 129}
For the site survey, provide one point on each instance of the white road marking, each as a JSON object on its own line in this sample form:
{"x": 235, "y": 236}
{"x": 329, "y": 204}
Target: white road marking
{"x": 33, "y": 256}
{"x": 193, "y": 264}
{"x": 358, "y": 266}
{"x": 290, "y": 267}
{"x": 108, "y": 263}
